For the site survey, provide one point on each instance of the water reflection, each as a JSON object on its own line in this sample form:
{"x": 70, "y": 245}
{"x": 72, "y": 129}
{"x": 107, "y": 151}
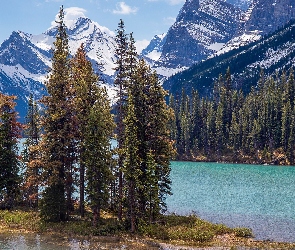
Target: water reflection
{"x": 51, "y": 242}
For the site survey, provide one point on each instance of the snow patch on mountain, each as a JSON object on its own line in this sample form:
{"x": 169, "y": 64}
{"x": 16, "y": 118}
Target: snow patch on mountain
{"x": 239, "y": 41}
{"x": 166, "y": 72}
{"x": 273, "y": 56}
{"x": 154, "y": 49}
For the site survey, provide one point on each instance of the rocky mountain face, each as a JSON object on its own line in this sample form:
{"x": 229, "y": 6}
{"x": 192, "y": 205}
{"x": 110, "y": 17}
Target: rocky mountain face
{"x": 205, "y": 28}
{"x": 25, "y": 59}
{"x": 201, "y": 28}
{"x": 268, "y": 15}
{"x": 242, "y": 4}
{"x": 273, "y": 53}
{"x": 154, "y": 49}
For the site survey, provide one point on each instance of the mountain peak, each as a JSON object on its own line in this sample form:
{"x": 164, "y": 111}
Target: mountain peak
{"x": 79, "y": 25}
{"x": 201, "y": 28}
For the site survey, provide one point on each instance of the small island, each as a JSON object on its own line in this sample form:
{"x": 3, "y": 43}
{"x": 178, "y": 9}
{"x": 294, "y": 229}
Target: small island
{"x": 70, "y": 182}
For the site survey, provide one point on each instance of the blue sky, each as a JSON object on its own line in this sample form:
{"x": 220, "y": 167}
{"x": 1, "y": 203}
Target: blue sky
{"x": 145, "y": 18}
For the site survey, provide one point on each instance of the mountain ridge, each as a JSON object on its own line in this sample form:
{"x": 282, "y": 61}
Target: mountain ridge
{"x": 273, "y": 53}
{"x": 203, "y": 30}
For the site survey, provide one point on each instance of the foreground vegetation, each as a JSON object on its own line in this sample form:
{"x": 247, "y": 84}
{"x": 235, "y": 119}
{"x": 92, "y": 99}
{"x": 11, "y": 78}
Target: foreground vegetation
{"x": 68, "y": 134}
{"x": 170, "y": 229}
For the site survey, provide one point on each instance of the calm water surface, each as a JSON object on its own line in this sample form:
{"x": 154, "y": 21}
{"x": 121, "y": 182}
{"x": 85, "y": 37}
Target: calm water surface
{"x": 259, "y": 197}
{"x": 37, "y": 242}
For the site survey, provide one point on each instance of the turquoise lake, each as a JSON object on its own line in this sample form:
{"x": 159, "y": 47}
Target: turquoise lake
{"x": 238, "y": 195}
{"x": 258, "y": 197}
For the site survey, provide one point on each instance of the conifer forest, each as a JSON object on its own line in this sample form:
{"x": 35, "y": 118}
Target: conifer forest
{"x": 68, "y": 159}
{"x": 230, "y": 126}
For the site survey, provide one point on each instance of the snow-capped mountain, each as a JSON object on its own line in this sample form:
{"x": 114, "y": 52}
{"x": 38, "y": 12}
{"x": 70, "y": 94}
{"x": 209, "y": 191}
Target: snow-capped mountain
{"x": 206, "y": 28}
{"x": 25, "y": 59}
{"x": 201, "y": 28}
{"x": 273, "y": 53}
{"x": 96, "y": 40}
{"x": 154, "y": 50}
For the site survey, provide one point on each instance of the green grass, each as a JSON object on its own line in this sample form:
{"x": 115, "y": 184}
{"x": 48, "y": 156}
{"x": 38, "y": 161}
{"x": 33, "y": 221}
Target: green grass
{"x": 20, "y": 219}
{"x": 189, "y": 230}
{"x": 172, "y": 229}
{"x": 184, "y": 228}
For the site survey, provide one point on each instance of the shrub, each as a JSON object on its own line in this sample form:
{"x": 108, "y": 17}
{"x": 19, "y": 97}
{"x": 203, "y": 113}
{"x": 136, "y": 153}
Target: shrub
{"x": 243, "y": 232}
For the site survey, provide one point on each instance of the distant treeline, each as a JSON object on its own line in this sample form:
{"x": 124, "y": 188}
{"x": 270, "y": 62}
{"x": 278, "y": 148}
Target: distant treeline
{"x": 256, "y": 128}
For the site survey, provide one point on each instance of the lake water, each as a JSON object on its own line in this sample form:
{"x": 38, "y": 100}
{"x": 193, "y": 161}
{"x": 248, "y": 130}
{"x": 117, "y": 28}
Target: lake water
{"x": 258, "y": 197}
{"x": 43, "y": 242}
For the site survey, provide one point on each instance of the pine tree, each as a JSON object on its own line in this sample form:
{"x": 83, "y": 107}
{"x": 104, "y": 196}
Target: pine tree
{"x": 147, "y": 165}
{"x": 184, "y": 124}
{"x": 31, "y": 153}
{"x": 9, "y": 162}
{"x": 58, "y": 140}
{"x": 85, "y": 94}
{"x": 291, "y": 140}
{"x": 161, "y": 149}
{"x": 121, "y": 84}
{"x": 132, "y": 171}
{"x": 98, "y": 155}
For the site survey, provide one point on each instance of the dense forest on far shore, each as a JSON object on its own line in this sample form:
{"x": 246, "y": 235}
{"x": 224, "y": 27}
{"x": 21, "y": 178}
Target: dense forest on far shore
{"x": 233, "y": 127}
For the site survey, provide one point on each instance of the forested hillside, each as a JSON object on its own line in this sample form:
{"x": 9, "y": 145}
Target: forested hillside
{"x": 232, "y": 126}
{"x": 272, "y": 53}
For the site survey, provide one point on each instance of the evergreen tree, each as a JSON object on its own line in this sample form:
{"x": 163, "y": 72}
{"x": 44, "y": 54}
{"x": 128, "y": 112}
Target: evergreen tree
{"x": 291, "y": 140}
{"x": 132, "y": 171}
{"x": 9, "y": 163}
{"x": 161, "y": 149}
{"x": 146, "y": 166}
{"x": 85, "y": 94}
{"x": 196, "y": 122}
{"x": 98, "y": 155}
{"x": 31, "y": 154}
{"x": 58, "y": 140}
{"x": 121, "y": 84}
{"x": 184, "y": 125}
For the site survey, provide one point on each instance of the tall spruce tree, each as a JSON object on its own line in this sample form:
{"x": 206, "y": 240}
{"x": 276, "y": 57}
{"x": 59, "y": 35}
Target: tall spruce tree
{"x": 58, "y": 138}
{"x": 132, "y": 171}
{"x": 121, "y": 84}
{"x": 9, "y": 163}
{"x": 161, "y": 148}
{"x": 98, "y": 155}
{"x": 85, "y": 94}
{"x": 32, "y": 154}
{"x": 147, "y": 147}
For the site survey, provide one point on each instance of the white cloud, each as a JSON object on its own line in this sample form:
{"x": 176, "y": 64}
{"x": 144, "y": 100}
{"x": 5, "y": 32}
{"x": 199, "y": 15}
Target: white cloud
{"x": 140, "y": 45}
{"x": 71, "y": 15}
{"x": 123, "y": 9}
